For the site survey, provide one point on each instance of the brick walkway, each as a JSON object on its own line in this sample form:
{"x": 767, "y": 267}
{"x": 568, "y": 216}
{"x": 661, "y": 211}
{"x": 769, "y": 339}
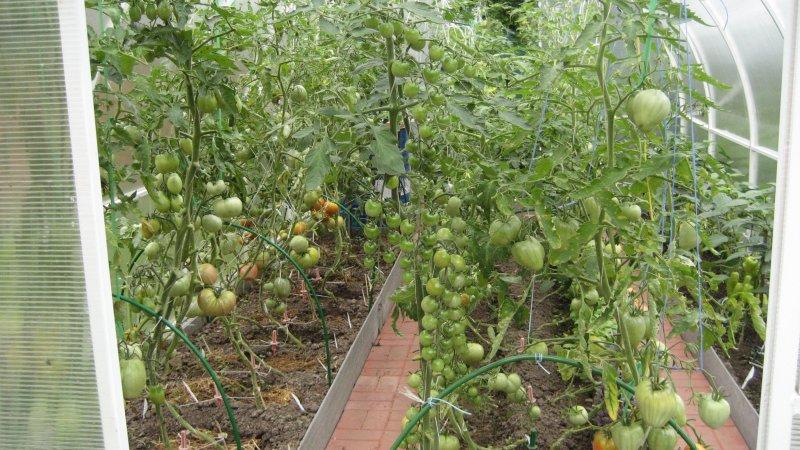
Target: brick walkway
{"x": 371, "y": 420}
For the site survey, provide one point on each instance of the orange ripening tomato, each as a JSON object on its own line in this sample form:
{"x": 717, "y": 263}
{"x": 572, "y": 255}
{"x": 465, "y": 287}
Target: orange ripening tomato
{"x": 602, "y": 441}
{"x": 248, "y": 271}
{"x": 331, "y": 209}
{"x": 319, "y": 205}
{"x": 247, "y": 223}
{"x": 299, "y": 228}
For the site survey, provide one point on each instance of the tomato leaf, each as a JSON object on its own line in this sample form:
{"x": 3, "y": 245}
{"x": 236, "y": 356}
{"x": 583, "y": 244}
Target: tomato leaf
{"x": 605, "y": 181}
{"x": 515, "y": 119}
{"x": 318, "y": 163}
{"x": 610, "y": 391}
{"x": 386, "y": 157}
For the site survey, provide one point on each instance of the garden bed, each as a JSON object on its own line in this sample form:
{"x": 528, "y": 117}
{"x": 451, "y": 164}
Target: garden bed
{"x": 553, "y": 395}
{"x": 295, "y": 372}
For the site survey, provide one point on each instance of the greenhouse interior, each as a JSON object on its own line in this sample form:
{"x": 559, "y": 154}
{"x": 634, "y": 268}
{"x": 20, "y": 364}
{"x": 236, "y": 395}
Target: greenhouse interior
{"x": 400, "y": 224}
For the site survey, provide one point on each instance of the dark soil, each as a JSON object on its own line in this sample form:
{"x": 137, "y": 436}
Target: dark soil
{"x": 503, "y": 425}
{"x": 740, "y": 360}
{"x": 281, "y": 423}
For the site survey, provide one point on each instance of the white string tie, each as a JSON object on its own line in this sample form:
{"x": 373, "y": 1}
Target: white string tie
{"x": 432, "y": 401}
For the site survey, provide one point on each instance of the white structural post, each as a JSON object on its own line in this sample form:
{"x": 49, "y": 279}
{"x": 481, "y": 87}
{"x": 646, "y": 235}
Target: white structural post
{"x": 780, "y": 401}
{"x": 89, "y": 201}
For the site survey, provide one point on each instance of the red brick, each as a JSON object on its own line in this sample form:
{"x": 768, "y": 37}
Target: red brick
{"x": 353, "y": 445}
{"x": 372, "y": 396}
{"x": 376, "y": 420}
{"x": 352, "y": 419}
{"x": 366, "y": 383}
{"x": 389, "y": 383}
{"x": 368, "y": 405}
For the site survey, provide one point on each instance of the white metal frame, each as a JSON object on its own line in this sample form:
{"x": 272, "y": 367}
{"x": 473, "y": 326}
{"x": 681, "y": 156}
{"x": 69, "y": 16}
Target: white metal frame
{"x": 79, "y": 98}
{"x": 780, "y": 400}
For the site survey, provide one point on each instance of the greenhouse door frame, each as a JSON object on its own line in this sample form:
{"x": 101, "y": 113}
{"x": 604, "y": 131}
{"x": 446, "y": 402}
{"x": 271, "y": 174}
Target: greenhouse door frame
{"x": 780, "y": 400}
{"x": 89, "y": 201}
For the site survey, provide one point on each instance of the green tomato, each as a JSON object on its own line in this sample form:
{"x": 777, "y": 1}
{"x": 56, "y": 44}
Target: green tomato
{"x": 656, "y": 403}
{"x": 211, "y": 223}
{"x": 430, "y": 76}
{"x": 474, "y": 353}
{"x": 414, "y": 380}
{"x": 577, "y": 416}
{"x": 400, "y": 68}
{"x": 434, "y": 287}
{"x": 664, "y": 438}
{"x": 687, "y": 236}
{"x": 529, "y": 254}
{"x": 627, "y": 437}
{"x": 632, "y": 212}
{"x": 167, "y": 162}
{"x": 371, "y": 231}
{"x": 133, "y": 376}
{"x": 429, "y": 304}
{"x": 429, "y": 322}
{"x": 441, "y": 259}
{"x": 411, "y": 90}
{"x": 648, "y": 108}
{"x": 174, "y": 183}
{"x": 714, "y": 410}
{"x": 373, "y": 208}
{"x": 436, "y": 53}
{"x": 407, "y": 227}
{"x": 453, "y": 207}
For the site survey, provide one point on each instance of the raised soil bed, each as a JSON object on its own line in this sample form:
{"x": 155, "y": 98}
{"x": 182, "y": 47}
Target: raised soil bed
{"x": 282, "y": 422}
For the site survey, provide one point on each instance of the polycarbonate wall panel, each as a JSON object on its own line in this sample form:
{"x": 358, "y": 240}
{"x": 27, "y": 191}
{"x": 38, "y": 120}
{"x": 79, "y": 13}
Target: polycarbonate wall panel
{"x": 741, "y": 44}
{"x": 736, "y": 155}
{"x": 718, "y": 61}
{"x": 760, "y": 47}
{"x": 48, "y": 385}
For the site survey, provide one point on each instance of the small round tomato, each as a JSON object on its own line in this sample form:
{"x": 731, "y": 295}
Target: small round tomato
{"x": 577, "y": 416}
{"x": 331, "y": 209}
{"x": 248, "y": 271}
{"x": 299, "y": 227}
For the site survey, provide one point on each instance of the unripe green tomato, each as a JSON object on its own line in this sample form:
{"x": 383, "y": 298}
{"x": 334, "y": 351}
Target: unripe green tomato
{"x": 444, "y": 235}
{"x": 427, "y": 353}
{"x": 174, "y": 184}
{"x": 429, "y": 305}
{"x": 429, "y": 322}
{"x": 434, "y": 287}
{"x": 436, "y": 53}
{"x": 389, "y": 257}
{"x": 406, "y": 246}
{"x": 426, "y": 131}
{"x": 414, "y": 380}
{"x": 186, "y": 146}
{"x": 425, "y": 338}
{"x": 430, "y": 76}
{"x": 373, "y": 208}
{"x": 441, "y": 259}
{"x": 411, "y": 90}
{"x": 386, "y": 30}
{"x": 211, "y": 223}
